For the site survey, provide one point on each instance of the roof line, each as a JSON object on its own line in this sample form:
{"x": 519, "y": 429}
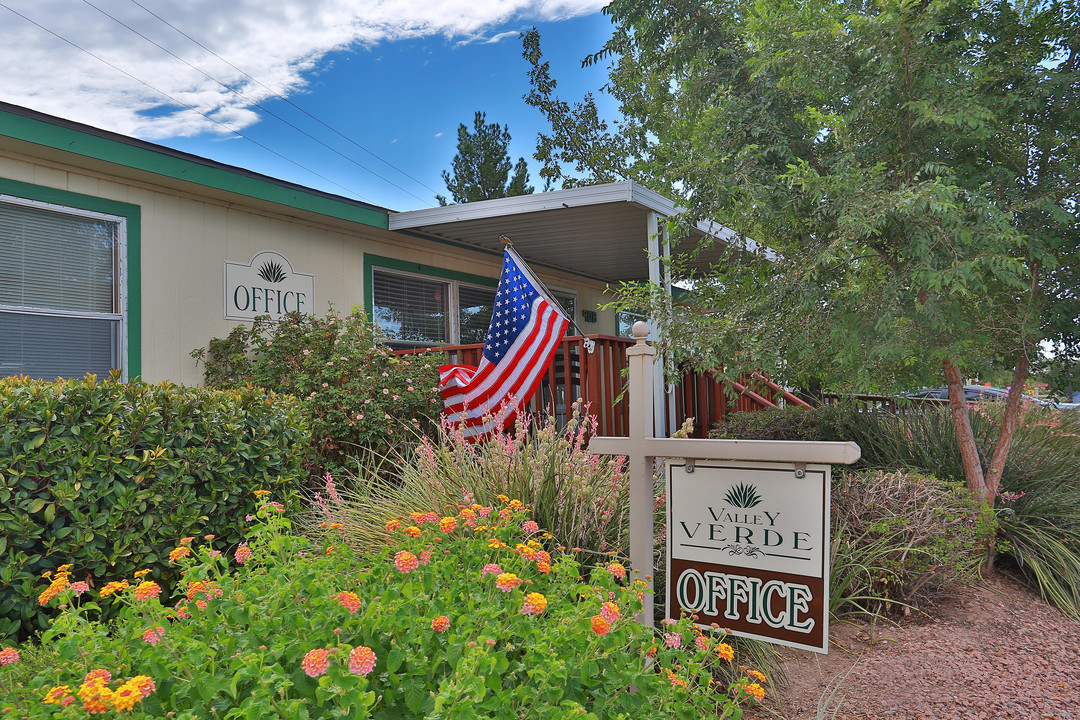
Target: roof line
{"x": 63, "y": 134}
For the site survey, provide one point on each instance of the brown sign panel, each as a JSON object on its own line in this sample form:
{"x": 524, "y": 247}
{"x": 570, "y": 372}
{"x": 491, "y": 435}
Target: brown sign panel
{"x": 748, "y": 548}
{"x": 771, "y": 606}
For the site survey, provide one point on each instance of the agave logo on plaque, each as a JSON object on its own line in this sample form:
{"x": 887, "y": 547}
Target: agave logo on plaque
{"x": 267, "y": 285}
{"x": 748, "y": 548}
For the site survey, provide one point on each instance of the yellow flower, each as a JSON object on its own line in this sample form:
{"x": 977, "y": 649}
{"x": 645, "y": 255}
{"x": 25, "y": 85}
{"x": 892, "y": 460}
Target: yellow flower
{"x": 502, "y": 498}
{"x": 142, "y": 573}
{"x": 113, "y": 587}
{"x": 58, "y": 693}
{"x": 261, "y": 493}
{"x": 757, "y": 675}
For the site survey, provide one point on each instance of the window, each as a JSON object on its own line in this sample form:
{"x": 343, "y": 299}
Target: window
{"x": 416, "y": 310}
{"x": 61, "y": 290}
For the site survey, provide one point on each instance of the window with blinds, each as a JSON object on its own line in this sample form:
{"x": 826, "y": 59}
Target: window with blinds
{"x": 61, "y": 290}
{"x": 411, "y": 310}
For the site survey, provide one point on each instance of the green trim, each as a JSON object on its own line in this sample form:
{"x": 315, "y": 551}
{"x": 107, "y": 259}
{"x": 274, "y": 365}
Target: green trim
{"x": 133, "y": 214}
{"x": 378, "y": 261}
{"x": 217, "y": 176}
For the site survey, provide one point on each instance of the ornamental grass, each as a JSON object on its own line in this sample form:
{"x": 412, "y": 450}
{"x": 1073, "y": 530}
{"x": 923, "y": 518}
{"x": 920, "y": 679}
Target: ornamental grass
{"x": 458, "y": 621}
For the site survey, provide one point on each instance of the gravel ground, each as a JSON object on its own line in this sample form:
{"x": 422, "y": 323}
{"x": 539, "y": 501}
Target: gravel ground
{"x": 992, "y": 651}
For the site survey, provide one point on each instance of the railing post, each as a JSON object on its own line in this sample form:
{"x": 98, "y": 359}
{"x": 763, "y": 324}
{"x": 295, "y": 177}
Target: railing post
{"x": 641, "y": 357}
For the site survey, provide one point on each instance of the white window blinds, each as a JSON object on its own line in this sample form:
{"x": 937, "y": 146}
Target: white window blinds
{"x": 61, "y": 311}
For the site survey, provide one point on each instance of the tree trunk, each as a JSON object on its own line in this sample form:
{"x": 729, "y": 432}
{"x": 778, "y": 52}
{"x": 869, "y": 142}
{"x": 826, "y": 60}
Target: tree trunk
{"x": 1008, "y": 427}
{"x": 969, "y": 452}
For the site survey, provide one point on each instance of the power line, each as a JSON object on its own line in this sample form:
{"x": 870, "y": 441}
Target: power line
{"x": 183, "y": 104}
{"x": 249, "y": 100}
{"x": 290, "y": 102}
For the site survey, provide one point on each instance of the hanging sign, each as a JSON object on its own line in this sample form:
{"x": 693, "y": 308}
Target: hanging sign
{"x": 748, "y": 549}
{"x": 267, "y": 285}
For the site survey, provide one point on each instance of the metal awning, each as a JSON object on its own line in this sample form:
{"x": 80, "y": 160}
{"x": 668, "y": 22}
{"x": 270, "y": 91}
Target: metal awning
{"x": 598, "y": 231}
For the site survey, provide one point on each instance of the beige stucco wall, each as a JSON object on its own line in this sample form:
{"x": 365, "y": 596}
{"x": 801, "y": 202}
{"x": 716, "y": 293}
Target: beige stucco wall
{"x": 188, "y": 234}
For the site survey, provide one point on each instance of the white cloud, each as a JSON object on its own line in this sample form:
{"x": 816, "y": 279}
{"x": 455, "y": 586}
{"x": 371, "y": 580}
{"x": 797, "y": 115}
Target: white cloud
{"x": 121, "y": 82}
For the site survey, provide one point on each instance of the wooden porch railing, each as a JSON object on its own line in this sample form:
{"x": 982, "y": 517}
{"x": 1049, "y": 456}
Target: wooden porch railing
{"x": 597, "y": 378}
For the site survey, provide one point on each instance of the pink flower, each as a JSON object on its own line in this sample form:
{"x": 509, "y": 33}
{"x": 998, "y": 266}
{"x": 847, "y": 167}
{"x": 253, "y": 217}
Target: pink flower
{"x": 361, "y": 660}
{"x": 491, "y": 569}
{"x": 349, "y": 600}
{"x": 440, "y": 623}
{"x": 243, "y": 554}
{"x": 9, "y": 656}
{"x": 425, "y": 557}
{"x": 673, "y": 640}
{"x": 529, "y": 527}
{"x": 153, "y": 635}
{"x": 535, "y": 603}
{"x": 701, "y": 642}
{"x": 507, "y": 582}
{"x": 609, "y": 611}
{"x": 405, "y": 561}
{"x": 79, "y": 588}
{"x": 316, "y": 662}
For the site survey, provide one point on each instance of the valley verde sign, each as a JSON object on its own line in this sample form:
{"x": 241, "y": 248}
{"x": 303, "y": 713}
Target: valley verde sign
{"x": 747, "y": 523}
{"x": 747, "y": 548}
{"x": 267, "y": 285}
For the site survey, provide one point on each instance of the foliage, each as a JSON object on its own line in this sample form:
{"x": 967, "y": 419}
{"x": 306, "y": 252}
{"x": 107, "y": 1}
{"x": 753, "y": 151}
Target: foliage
{"x": 1038, "y": 507}
{"x": 102, "y": 473}
{"x": 428, "y": 627}
{"x": 579, "y": 497}
{"x": 788, "y": 423}
{"x": 899, "y": 537}
{"x": 911, "y": 167}
{"x": 482, "y": 165}
{"x": 356, "y": 393}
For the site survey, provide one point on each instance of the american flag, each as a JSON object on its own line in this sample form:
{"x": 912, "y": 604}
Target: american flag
{"x": 525, "y": 330}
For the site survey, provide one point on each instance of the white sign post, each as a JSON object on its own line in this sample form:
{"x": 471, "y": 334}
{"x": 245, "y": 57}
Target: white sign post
{"x": 748, "y": 522}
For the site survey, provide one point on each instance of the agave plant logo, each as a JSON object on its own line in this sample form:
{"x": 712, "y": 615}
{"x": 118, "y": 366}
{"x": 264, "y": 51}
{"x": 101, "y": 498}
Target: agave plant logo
{"x": 742, "y": 496}
{"x": 271, "y": 272}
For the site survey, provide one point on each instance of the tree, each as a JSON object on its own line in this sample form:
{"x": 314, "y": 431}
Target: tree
{"x": 912, "y": 165}
{"x": 482, "y": 165}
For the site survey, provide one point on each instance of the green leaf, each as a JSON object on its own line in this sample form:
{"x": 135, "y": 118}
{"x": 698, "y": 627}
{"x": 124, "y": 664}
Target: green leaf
{"x": 395, "y": 659}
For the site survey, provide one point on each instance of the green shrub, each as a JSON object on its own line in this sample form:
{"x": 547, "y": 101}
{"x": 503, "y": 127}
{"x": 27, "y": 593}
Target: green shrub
{"x": 787, "y": 423}
{"x": 101, "y": 474}
{"x": 357, "y": 395}
{"x": 1038, "y": 504}
{"x": 898, "y": 538}
{"x": 426, "y": 628}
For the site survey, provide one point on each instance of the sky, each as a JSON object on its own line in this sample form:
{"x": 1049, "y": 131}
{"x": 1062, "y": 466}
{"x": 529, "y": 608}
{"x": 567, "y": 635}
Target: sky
{"x": 360, "y": 98}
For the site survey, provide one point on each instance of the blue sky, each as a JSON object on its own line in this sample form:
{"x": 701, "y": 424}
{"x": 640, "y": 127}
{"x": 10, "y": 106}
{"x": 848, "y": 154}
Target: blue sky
{"x": 396, "y": 78}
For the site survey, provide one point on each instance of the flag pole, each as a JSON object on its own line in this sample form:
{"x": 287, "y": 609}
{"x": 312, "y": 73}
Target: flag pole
{"x": 590, "y": 344}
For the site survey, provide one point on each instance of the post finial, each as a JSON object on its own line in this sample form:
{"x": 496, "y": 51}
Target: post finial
{"x": 641, "y": 331}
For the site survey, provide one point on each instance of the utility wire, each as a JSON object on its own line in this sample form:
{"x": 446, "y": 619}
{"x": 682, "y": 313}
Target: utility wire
{"x": 183, "y": 104}
{"x": 250, "y": 101}
{"x": 290, "y": 102}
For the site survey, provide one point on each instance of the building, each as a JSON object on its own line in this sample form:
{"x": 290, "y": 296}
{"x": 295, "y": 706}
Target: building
{"x": 120, "y": 253}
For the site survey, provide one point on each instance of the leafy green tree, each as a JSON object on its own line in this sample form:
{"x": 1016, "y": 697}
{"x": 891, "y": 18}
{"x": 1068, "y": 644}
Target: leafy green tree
{"x": 481, "y": 168}
{"x": 911, "y": 166}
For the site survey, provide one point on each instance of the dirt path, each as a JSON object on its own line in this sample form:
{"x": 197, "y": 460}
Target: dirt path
{"x": 995, "y": 652}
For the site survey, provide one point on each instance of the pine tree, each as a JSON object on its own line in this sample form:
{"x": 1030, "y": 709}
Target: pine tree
{"x": 481, "y": 168}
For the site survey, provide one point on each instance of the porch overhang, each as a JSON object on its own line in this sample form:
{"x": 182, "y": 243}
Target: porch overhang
{"x": 599, "y": 231}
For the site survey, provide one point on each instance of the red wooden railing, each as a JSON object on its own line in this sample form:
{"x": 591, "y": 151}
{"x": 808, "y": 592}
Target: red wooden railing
{"x": 598, "y": 379}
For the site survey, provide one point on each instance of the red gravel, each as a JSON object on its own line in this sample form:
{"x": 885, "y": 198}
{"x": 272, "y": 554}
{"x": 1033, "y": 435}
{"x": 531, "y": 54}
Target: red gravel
{"x": 995, "y": 651}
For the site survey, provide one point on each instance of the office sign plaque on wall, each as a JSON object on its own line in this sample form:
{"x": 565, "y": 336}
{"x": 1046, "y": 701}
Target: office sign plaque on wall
{"x": 267, "y": 285}
{"x": 748, "y": 549}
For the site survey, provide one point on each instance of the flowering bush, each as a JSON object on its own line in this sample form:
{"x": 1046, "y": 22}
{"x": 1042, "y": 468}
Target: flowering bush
{"x": 440, "y": 624}
{"x": 578, "y": 497}
{"x": 356, "y": 393}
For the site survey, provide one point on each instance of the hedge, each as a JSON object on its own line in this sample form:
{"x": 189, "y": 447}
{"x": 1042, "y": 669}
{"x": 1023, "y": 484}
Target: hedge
{"x": 104, "y": 474}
